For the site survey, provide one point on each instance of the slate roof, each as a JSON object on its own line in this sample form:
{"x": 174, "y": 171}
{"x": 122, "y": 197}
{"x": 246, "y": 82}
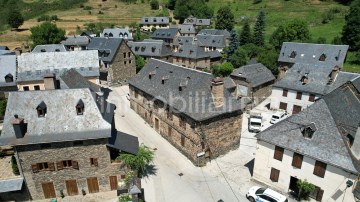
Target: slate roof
{"x": 217, "y": 41}
{"x": 73, "y": 80}
{"x": 196, "y": 21}
{"x": 8, "y": 185}
{"x": 215, "y": 32}
{"x": 183, "y": 40}
{"x": 191, "y": 51}
{"x": 150, "y": 48}
{"x": 105, "y": 46}
{"x": 123, "y": 33}
{"x": 61, "y": 122}
{"x": 154, "y": 21}
{"x": 124, "y": 142}
{"x": 307, "y": 53}
{"x": 7, "y": 66}
{"x": 214, "y": 54}
{"x": 187, "y": 29}
{"x": 33, "y": 66}
{"x": 256, "y": 74}
{"x": 327, "y": 144}
{"x": 318, "y": 77}
{"x": 76, "y": 41}
{"x": 169, "y": 33}
{"x": 195, "y": 100}
{"x": 49, "y": 48}
{"x": 4, "y": 48}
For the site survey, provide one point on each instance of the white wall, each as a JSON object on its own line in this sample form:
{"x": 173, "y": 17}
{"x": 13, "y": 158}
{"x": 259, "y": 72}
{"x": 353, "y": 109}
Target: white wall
{"x": 277, "y": 97}
{"x": 334, "y": 179}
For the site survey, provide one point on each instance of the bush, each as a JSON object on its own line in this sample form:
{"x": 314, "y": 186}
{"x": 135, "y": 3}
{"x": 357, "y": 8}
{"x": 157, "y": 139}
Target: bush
{"x": 154, "y": 4}
{"x": 327, "y": 17}
{"x": 305, "y": 188}
{"x": 43, "y": 18}
{"x": 125, "y": 198}
{"x": 223, "y": 70}
{"x": 257, "y": 1}
{"x": 100, "y": 12}
{"x": 87, "y": 8}
{"x": 81, "y": 5}
{"x": 14, "y": 166}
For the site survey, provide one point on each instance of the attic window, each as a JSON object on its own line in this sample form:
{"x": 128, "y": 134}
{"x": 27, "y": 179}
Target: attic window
{"x": 151, "y": 74}
{"x": 111, "y": 35}
{"x": 146, "y": 20}
{"x": 153, "y": 49}
{"x": 304, "y": 79}
{"x": 106, "y": 35}
{"x": 57, "y": 50}
{"x": 180, "y": 88}
{"x": 80, "y": 107}
{"x": 322, "y": 57}
{"x": 41, "y": 109}
{"x": 154, "y": 19}
{"x": 309, "y": 131}
{"x": 350, "y": 139}
{"x": 164, "y": 79}
{"x": 125, "y": 35}
{"x": 180, "y": 50}
{"x": 137, "y": 48}
{"x": 200, "y": 21}
{"x": 143, "y": 48}
{"x": 9, "y": 78}
{"x": 121, "y": 35}
{"x": 43, "y": 50}
{"x": 293, "y": 54}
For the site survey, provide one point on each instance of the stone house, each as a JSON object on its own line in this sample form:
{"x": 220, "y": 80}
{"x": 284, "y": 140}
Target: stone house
{"x": 122, "y": 33}
{"x": 312, "y": 54}
{"x": 191, "y": 109}
{"x": 302, "y": 84}
{"x": 151, "y": 49}
{"x": 34, "y": 69}
{"x": 61, "y": 141}
{"x": 76, "y": 43}
{"x": 211, "y": 42}
{"x": 49, "y": 48}
{"x": 319, "y": 144}
{"x": 197, "y": 22}
{"x": 8, "y": 73}
{"x": 253, "y": 81}
{"x": 167, "y": 35}
{"x": 195, "y": 57}
{"x": 147, "y": 23}
{"x": 224, "y": 33}
{"x": 187, "y": 30}
{"x": 117, "y": 61}
{"x": 182, "y": 40}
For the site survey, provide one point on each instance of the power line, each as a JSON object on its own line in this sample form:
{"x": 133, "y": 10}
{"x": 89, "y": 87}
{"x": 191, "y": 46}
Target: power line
{"x": 226, "y": 180}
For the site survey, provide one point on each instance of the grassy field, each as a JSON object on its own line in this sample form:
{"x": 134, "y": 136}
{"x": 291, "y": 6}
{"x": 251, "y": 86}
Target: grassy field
{"x": 120, "y": 14}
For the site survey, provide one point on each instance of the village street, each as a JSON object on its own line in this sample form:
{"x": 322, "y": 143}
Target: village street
{"x": 227, "y": 177}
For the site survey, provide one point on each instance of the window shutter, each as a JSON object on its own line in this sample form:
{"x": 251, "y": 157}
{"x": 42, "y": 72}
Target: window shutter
{"x": 297, "y": 160}
{"x": 51, "y": 166}
{"x": 34, "y": 168}
{"x": 75, "y": 165}
{"x": 95, "y": 162}
{"x": 59, "y": 165}
{"x": 278, "y": 154}
{"x": 319, "y": 169}
{"x": 274, "y": 175}
{"x": 319, "y": 195}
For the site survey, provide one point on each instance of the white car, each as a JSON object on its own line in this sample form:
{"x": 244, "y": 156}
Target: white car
{"x": 278, "y": 116}
{"x": 257, "y": 194}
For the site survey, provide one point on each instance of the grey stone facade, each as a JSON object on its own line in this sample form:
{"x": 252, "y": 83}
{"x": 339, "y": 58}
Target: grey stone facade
{"x": 32, "y": 154}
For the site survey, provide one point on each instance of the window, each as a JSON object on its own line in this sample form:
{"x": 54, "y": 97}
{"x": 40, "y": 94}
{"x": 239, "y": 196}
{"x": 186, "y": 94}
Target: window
{"x": 189, "y": 61}
{"x": 42, "y": 166}
{"x": 9, "y": 78}
{"x": 169, "y": 131}
{"x": 322, "y": 57}
{"x": 129, "y": 61}
{"x": 274, "y": 175}
{"x": 183, "y": 60}
{"x": 136, "y": 94}
{"x": 124, "y": 62}
{"x": 278, "y": 154}
{"x": 67, "y": 164}
{"x": 26, "y": 88}
{"x": 350, "y": 139}
{"x": 45, "y": 146}
{"x": 293, "y": 54}
{"x": 129, "y": 54}
{"x": 308, "y": 132}
{"x": 41, "y": 109}
{"x": 298, "y": 95}
{"x": 37, "y": 87}
{"x": 285, "y": 93}
{"x": 182, "y": 140}
{"x": 317, "y": 193}
{"x": 319, "y": 169}
{"x": 283, "y": 106}
{"x": 93, "y": 161}
{"x": 296, "y": 109}
{"x": 182, "y": 122}
{"x": 311, "y": 97}
{"x": 124, "y": 55}
{"x": 80, "y": 107}
{"x": 297, "y": 160}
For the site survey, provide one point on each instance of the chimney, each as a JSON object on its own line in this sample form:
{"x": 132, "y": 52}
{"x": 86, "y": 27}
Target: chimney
{"x": 19, "y": 126}
{"x": 49, "y": 81}
{"x": 101, "y": 101}
{"x": 217, "y": 90}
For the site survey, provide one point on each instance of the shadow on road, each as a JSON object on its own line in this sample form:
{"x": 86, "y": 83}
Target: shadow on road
{"x": 250, "y": 166}
{"x": 150, "y": 170}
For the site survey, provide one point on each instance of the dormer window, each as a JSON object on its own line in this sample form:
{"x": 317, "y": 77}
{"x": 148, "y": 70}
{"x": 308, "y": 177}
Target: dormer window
{"x": 146, "y": 20}
{"x": 350, "y": 139}
{"x": 309, "y": 131}
{"x": 43, "y": 50}
{"x": 293, "y": 54}
{"x": 57, "y": 50}
{"x": 9, "y": 78}
{"x": 322, "y": 57}
{"x": 111, "y": 35}
{"x": 80, "y": 107}
{"x": 153, "y": 49}
{"x": 41, "y": 109}
{"x": 106, "y": 35}
{"x": 121, "y": 35}
{"x": 137, "y": 48}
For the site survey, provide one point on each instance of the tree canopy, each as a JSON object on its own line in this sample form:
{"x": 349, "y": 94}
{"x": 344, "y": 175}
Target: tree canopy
{"x": 46, "y": 33}
{"x": 239, "y": 58}
{"x": 224, "y": 69}
{"x": 196, "y": 8}
{"x": 233, "y": 45}
{"x": 15, "y": 19}
{"x": 259, "y": 29}
{"x": 245, "y": 35}
{"x": 351, "y": 29}
{"x": 225, "y": 19}
{"x": 295, "y": 30}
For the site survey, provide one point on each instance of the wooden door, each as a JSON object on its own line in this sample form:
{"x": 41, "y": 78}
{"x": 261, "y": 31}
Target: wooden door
{"x": 113, "y": 182}
{"x": 93, "y": 185}
{"x": 156, "y": 124}
{"x": 71, "y": 187}
{"x": 48, "y": 189}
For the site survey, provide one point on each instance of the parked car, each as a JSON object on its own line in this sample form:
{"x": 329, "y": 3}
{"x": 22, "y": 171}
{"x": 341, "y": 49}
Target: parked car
{"x": 255, "y": 122}
{"x": 256, "y": 194}
{"x": 278, "y": 116}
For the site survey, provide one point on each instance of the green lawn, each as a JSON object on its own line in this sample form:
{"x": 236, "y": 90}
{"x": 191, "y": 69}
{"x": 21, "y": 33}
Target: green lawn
{"x": 350, "y": 64}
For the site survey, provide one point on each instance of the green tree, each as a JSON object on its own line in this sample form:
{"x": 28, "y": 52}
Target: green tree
{"x": 295, "y": 30}
{"x": 234, "y": 44}
{"x": 171, "y": 4}
{"x": 3, "y": 102}
{"x": 336, "y": 40}
{"x": 225, "y": 19}
{"x": 197, "y": 8}
{"x": 46, "y": 33}
{"x": 239, "y": 58}
{"x": 223, "y": 70}
{"x": 138, "y": 162}
{"x": 245, "y": 35}
{"x": 154, "y": 4}
{"x": 321, "y": 40}
{"x": 15, "y": 19}
{"x": 14, "y": 166}
{"x": 268, "y": 57}
{"x": 140, "y": 63}
{"x": 259, "y": 29}
{"x": 305, "y": 188}
{"x": 351, "y": 29}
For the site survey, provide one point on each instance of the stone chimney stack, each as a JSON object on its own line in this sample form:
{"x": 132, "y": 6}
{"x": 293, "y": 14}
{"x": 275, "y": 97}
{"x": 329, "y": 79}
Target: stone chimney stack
{"x": 217, "y": 90}
{"x": 19, "y": 126}
{"x": 50, "y": 81}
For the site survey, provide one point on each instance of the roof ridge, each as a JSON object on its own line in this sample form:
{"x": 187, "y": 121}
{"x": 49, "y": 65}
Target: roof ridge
{"x": 180, "y": 66}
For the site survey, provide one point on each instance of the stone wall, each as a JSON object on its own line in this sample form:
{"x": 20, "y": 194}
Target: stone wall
{"x": 121, "y": 69}
{"x": 260, "y": 93}
{"x": 32, "y": 154}
{"x": 215, "y": 138}
{"x": 192, "y": 63}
